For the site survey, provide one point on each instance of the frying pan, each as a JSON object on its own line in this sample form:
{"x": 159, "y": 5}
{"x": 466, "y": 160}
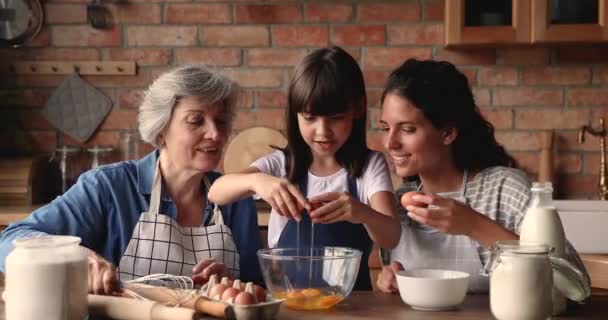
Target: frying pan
{"x": 20, "y": 21}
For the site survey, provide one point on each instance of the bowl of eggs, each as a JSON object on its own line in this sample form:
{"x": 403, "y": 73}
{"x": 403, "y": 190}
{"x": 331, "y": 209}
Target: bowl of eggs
{"x": 310, "y": 278}
{"x": 432, "y": 289}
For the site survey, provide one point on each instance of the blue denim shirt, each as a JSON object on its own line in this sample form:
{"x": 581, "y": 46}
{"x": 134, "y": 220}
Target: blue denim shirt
{"x": 103, "y": 207}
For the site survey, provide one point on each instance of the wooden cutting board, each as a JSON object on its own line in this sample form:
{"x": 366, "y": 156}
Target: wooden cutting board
{"x": 250, "y": 145}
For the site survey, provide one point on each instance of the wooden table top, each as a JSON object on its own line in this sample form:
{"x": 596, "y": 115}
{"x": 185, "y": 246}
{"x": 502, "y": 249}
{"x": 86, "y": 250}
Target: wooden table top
{"x": 376, "y": 305}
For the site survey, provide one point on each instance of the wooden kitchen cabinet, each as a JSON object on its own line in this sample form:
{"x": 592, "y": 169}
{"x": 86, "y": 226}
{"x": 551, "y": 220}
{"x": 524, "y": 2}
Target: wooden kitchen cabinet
{"x": 512, "y": 22}
{"x": 559, "y": 21}
{"x": 482, "y": 22}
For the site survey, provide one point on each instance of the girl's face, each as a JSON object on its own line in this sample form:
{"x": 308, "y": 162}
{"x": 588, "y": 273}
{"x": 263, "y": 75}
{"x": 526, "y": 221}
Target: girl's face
{"x": 196, "y": 134}
{"x": 325, "y": 135}
{"x": 413, "y": 143}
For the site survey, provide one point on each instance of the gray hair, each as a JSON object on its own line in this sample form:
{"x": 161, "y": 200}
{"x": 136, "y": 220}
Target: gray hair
{"x": 189, "y": 80}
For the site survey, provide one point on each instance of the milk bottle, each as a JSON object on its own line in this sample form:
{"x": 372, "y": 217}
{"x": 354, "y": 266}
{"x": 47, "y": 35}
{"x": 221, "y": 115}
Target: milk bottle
{"x": 46, "y": 278}
{"x": 543, "y": 225}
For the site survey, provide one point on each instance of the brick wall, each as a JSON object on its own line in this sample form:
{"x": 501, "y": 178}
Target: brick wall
{"x": 521, "y": 90}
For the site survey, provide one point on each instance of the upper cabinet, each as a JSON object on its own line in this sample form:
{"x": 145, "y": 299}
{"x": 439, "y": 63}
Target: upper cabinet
{"x": 504, "y": 22}
{"x": 562, "y": 21}
{"x": 483, "y": 22}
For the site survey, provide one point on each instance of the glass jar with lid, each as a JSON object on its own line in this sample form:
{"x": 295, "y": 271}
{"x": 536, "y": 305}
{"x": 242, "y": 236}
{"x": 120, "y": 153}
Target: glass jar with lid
{"x": 521, "y": 280}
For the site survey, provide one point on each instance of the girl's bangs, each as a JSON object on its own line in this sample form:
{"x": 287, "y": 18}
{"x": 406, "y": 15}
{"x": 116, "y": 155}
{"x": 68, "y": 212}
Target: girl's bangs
{"x": 326, "y": 96}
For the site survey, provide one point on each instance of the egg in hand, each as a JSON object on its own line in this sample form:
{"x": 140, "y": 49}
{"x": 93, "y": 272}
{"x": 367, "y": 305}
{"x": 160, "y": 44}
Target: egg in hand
{"x": 406, "y": 200}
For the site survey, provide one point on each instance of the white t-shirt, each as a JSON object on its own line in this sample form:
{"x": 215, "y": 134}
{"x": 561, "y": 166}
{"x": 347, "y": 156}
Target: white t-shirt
{"x": 375, "y": 178}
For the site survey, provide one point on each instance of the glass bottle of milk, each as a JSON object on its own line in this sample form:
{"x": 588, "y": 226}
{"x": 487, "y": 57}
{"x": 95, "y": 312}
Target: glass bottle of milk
{"x": 543, "y": 225}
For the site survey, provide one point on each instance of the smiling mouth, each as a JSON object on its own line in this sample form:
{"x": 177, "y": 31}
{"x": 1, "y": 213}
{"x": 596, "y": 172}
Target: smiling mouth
{"x": 399, "y": 158}
{"x": 208, "y": 149}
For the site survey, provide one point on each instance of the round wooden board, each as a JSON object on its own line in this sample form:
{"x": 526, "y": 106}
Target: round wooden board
{"x": 250, "y": 145}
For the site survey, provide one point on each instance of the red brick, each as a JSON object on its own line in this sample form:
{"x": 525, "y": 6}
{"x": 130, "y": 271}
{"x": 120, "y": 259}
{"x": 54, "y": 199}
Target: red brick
{"x": 65, "y": 13}
{"x": 142, "y": 57}
{"x": 358, "y": 35}
{"x": 274, "y": 57}
{"x": 120, "y": 120}
{"x": 354, "y": 52}
{"x": 471, "y": 74}
{"x": 498, "y": 76}
{"x": 600, "y": 75}
{"x": 582, "y": 55}
{"x": 66, "y": 54}
{"x": 300, "y": 36}
{"x": 236, "y": 36}
{"x": 43, "y": 39}
{"x": 433, "y": 10}
{"x": 99, "y": 138}
{"x": 268, "y": 13}
{"x": 519, "y": 140}
{"x": 500, "y": 119}
{"x": 245, "y": 99}
{"x": 526, "y": 161}
{"x": 186, "y": 13}
{"x": 161, "y": 36}
{"x": 482, "y": 97}
{"x": 374, "y": 141}
{"x": 373, "y": 97}
{"x": 596, "y": 114}
{"x": 212, "y": 56}
{"x": 467, "y": 56}
{"x": 416, "y": 34}
{"x": 563, "y": 163}
{"x": 550, "y": 119}
{"x": 592, "y": 163}
{"x": 42, "y": 141}
{"x": 524, "y": 56}
{"x": 251, "y": 78}
{"x": 34, "y": 120}
{"x": 393, "y": 57}
{"x": 24, "y": 81}
{"x": 329, "y": 12}
{"x": 28, "y": 97}
{"x": 528, "y": 97}
{"x": 272, "y": 118}
{"x": 130, "y": 99}
{"x": 388, "y": 12}
{"x": 556, "y": 75}
{"x": 568, "y": 141}
{"x": 578, "y": 186}
{"x": 375, "y": 78}
{"x": 587, "y": 97}
{"x": 136, "y": 13}
{"x": 85, "y": 36}
{"x": 139, "y": 80}
{"x": 374, "y": 112}
{"x": 271, "y": 99}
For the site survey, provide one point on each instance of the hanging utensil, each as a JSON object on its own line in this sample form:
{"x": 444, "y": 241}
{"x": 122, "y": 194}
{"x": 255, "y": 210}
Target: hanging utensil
{"x": 98, "y": 15}
{"x": 20, "y": 21}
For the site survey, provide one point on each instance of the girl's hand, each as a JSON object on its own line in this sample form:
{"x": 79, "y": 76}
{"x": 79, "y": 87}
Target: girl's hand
{"x": 387, "y": 280}
{"x": 103, "y": 278}
{"x": 283, "y": 196}
{"x": 335, "y": 206}
{"x": 206, "y": 268}
{"x": 444, "y": 214}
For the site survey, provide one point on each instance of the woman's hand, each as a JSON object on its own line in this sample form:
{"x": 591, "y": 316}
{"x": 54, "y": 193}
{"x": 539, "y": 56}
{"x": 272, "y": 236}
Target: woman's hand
{"x": 283, "y": 196}
{"x": 103, "y": 278}
{"x": 444, "y": 214}
{"x": 332, "y": 207}
{"x": 387, "y": 280}
{"x": 206, "y": 268}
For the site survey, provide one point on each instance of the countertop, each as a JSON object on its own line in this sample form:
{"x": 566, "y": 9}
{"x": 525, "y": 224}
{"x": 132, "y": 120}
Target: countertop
{"x": 375, "y": 305}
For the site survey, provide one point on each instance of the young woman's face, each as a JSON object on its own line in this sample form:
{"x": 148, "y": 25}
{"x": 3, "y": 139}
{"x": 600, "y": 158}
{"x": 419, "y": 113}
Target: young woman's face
{"x": 196, "y": 134}
{"x": 325, "y": 135}
{"x": 413, "y": 143}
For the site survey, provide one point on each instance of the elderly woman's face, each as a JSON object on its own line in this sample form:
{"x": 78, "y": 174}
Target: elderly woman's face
{"x": 196, "y": 134}
{"x": 414, "y": 145}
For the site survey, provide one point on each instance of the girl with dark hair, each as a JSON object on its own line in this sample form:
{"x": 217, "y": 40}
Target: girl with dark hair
{"x": 326, "y": 167}
{"x": 470, "y": 193}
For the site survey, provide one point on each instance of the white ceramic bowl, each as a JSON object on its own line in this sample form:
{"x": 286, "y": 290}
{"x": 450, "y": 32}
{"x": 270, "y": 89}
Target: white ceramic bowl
{"x": 434, "y": 290}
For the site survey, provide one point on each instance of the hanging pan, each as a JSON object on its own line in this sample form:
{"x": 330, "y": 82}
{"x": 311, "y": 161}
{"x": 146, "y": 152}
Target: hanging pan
{"x": 20, "y": 21}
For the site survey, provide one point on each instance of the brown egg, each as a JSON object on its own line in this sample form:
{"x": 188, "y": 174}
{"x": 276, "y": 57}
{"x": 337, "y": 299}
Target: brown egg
{"x": 260, "y": 293}
{"x": 406, "y": 200}
{"x": 229, "y": 294}
{"x": 217, "y": 291}
{"x": 244, "y": 298}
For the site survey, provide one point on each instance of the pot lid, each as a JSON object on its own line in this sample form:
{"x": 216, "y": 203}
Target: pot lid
{"x": 20, "y": 21}
{"x": 570, "y": 281}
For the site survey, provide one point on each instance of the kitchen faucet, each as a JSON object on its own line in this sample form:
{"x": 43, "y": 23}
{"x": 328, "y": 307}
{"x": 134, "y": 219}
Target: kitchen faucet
{"x": 603, "y": 187}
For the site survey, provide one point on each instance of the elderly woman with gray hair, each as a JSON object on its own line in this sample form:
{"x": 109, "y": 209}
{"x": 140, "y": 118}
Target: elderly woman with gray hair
{"x": 152, "y": 215}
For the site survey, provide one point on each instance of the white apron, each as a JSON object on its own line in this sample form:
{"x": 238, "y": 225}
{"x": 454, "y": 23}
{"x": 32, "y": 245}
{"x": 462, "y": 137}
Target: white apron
{"x": 423, "y": 247}
{"x": 160, "y": 245}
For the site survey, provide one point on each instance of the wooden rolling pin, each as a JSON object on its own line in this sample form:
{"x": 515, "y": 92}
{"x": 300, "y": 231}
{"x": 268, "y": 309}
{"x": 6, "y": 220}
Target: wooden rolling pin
{"x": 133, "y": 309}
{"x": 545, "y": 165}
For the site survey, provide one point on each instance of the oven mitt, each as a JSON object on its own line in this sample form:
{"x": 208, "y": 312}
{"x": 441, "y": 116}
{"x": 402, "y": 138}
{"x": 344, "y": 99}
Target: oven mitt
{"x": 77, "y": 108}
